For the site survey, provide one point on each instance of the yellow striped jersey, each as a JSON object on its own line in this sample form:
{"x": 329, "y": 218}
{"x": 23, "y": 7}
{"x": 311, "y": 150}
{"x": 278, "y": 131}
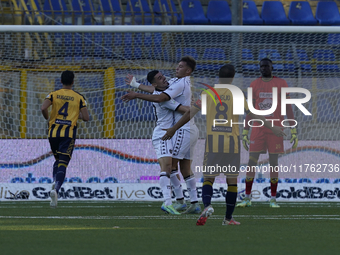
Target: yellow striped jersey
{"x": 222, "y": 132}
{"x": 66, "y": 105}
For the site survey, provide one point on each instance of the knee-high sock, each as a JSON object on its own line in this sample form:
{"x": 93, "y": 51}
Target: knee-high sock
{"x": 175, "y": 182}
{"x": 55, "y": 169}
{"x": 60, "y": 176}
{"x": 164, "y": 182}
{"x": 249, "y": 185}
{"x": 207, "y": 192}
{"x": 273, "y": 186}
{"x": 250, "y": 178}
{"x": 191, "y": 186}
{"x": 230, "y": 200}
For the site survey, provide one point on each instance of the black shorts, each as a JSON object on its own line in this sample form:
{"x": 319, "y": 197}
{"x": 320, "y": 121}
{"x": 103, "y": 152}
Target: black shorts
{"x": 215, "y": 164}
{"x": 62, "y": 145}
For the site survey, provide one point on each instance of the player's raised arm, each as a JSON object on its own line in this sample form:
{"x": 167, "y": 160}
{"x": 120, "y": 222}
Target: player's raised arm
{"x": 151, "y": 98}
{"x": 131, "y": 80}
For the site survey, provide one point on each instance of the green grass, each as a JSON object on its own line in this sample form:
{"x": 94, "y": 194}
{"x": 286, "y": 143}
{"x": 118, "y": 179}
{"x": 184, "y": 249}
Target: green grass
{"x": 142, "y": 228}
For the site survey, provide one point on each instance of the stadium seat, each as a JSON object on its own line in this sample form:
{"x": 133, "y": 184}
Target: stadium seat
{"x": 325, "y": 55}
{"x": 186, "y": 52}
{"x": 193, "y": 13}
{"x": 300, "y": 13}
{"x": 250, "y": 14}
{"x": 333, "y": 39}
{"x": 166, "y": 9}
{"x": 247, "y": 55}
{"x": 327, "y": 13}
{"x": 133, "y": 110}
{"x": 273, "y": 13}
{"x": 138, "y": 10}
{"x": 83, "y": 12}
{"x": 273, "y": 54}
{"x": 214, "y": 54}
{"x": 301, "y": 55}
{"x": 112, "y": 8}
{"x": 219, "y": 13}
{"x": 55, "y": 12}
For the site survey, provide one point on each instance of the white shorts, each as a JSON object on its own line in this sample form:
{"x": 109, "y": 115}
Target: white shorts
{"x": 184, "y": 142}
{"x": 162, "y": 148}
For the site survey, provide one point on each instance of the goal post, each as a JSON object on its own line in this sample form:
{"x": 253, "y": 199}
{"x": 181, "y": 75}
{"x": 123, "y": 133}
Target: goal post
{"x": 114, "y": 149}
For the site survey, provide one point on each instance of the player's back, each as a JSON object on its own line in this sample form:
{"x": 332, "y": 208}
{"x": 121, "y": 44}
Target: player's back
{"x": 66, "y": 105}
{"x": 222, "y": 132}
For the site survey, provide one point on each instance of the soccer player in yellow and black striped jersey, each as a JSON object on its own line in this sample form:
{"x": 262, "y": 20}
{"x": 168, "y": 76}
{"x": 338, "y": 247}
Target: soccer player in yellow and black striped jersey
{"x": 67, "y": 107}
{"x": 222, "y": 145}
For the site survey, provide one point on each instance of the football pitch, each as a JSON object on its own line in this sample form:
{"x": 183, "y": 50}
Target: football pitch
{"x": 142, "y": 228}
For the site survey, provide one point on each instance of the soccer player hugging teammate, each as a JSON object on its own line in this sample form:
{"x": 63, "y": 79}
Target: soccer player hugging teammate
{"x": 180, "y": 90}
{"x": 67, "y": 107}
{"x": 261, "y": 138}
{"x": 222, "y": 144}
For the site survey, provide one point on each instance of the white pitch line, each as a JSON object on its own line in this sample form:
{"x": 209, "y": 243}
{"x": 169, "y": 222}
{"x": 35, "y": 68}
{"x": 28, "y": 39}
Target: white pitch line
{"x": 187, "y": 217}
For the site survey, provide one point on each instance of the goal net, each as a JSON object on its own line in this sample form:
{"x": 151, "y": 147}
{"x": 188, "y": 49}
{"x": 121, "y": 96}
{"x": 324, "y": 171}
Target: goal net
{"x": 115, "y": 145}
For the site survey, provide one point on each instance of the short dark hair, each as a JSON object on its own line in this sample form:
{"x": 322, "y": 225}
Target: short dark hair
{"x": 67, "y": 78}
{"x": 190, "y": 61}
{"x": 227, "y": 71}
{"x": 266, "y": 59}
{"x": 151, "y": 75}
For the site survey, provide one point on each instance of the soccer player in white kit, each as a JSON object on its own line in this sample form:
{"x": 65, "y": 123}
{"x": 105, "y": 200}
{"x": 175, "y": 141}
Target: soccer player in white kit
{"x": 186, "y": 137}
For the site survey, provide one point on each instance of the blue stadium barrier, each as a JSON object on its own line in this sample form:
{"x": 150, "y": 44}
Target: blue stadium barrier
{"x": 193, "y": 13}
{"x": 327, "y": 13}
{"x": 273, "y": 13}
{"x": 219, "y": 13}
{"x": 300, "y": 13}
{"x": 250, "y": 14}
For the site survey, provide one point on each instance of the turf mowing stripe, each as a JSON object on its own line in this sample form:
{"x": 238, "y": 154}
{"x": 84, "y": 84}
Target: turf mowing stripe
{"x": 170, "y": 217}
